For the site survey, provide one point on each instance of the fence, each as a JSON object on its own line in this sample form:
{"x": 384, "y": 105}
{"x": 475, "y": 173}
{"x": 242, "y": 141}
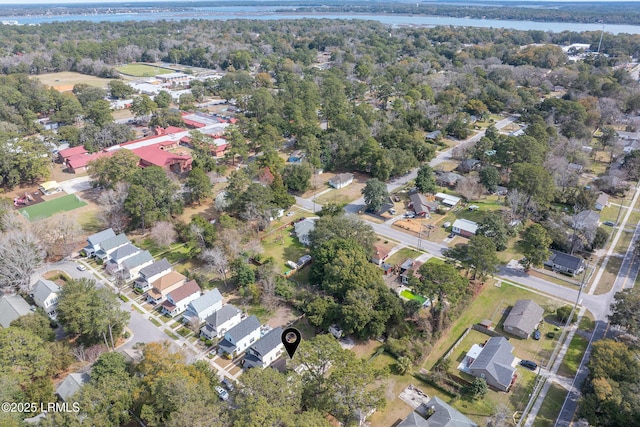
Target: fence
{"x": 456, "y": 344}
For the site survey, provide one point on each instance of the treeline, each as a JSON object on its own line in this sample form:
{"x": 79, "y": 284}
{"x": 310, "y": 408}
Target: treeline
{"x": 619, "y": 13}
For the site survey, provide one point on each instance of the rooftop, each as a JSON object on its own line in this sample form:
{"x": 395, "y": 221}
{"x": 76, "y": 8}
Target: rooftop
{"x": 243, "y": 328}
{"x": 267, "y": 343}
{"x": 101, "y": 236}
{"x": 156, "y": 268}
{"x": 221, "y": 316}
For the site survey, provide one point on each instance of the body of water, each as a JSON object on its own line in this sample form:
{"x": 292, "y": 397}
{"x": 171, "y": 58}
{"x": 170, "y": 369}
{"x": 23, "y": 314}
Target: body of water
{"x": 268, "y": 13}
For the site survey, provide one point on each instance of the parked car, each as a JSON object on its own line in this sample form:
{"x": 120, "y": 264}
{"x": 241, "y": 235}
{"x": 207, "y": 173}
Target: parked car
{"x": 228, "y": 384}
{"x": 529, "y": 364}
{"x": 536, "y": 334}
{"x": 609, "y": 223}
{"x": 392, "y": 211}
{"x": 452, "y": 235}
{"x": 224, "y": 395}
{"x": 81, "y": 267}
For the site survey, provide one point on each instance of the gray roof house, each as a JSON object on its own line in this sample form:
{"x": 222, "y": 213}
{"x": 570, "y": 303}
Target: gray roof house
{"x": 240, "y": 337}
{"x": 118, "y": 256}
{"x": 565, "y": 263}
{"x": 586, "y": 220}
{"x": 204, "y": 306}
{"x": 421, "y": 206}
{"x": 11, "y": 308}
{"x": 523, "y": 319}
{"x": 152, "y": 272}
{"x": 448, "y": 179}
{"x": 71, "y": 385}
{"x": 303, "y": 228}
{"x": 265, "y": 351}
{"x": 436, "y": 413}
{"x": 110, "y": 245}
{"x": 132, "y": 266}
{"x": 94, "y": 241}
{"x": 45, "y": 295}
{"x": 601, "y": 202}
{"x": 341, "y": 180}
{"x": 468, "y": 165}
{"x": 221, "y": 321}
{"x": 495, "y": 363}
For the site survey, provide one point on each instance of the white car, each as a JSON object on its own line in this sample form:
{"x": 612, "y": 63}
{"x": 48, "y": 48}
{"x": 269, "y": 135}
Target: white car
{"x": 224, "y": 395}
{"x": 81, "y": 267}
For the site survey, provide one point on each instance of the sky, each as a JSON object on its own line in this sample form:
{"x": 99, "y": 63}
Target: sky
{"x": 23, "y": 2}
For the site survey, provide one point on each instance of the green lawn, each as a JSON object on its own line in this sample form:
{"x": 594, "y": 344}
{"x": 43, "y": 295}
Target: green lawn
{"x": 409, "y": 295}
{"x": 402, "y": 255}
{"x": 551, "y": 406}
{"x": 176, "y": 253}
{"x": 51, "y": 207}
{"x": 142, "y": 70}
{"x": 283, "y": 247}
{"x": 572, "y": 359}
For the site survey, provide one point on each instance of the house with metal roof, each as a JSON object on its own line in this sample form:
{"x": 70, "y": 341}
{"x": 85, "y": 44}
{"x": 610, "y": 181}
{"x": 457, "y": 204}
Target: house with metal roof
{"x": 150, "y": 273}
{"x": 464, "y": 227}
{"x": 108, "y": 246}
{"x": 237, "y": 339}
{"x": 523, "y": 319}
{"x": 178, "y": 299}
{"x": 448, "y": 200}
{"x": 494, "y": 363}
{"x": 265, "y": 351}
{"x": 12, "y": 307}
{"x": 565, "y": 263}
{"x": 221, "y": 321}
{"x": 94, "y": 241}
{"x": 45, "y": 295}
{"x": 204, "y": 306}
{"x": 71, "y": 385}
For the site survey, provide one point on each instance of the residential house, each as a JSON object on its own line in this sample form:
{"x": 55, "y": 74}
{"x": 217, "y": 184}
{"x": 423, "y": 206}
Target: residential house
{"x": 65, "y": 154}
{"x": 117, "y": 257}
{"x": 433, "y": 136}
{"x": 341, "y": 180}
{"x": 380, "y": 254}
{"x": 131, "y": 266}
{"x": 575, "y": 168}
{"x": 221, "y": 321}
{"x": 12, "y": 307}
{"x": 265, "y": 351}
{"x": 421, "y": 205}
{"x": 178, "y": 299}
{"x": 94, "y": 241}
{"x": 70, "y": 386}
{"x": 296, "y": 157}
{"x": 410, "y": 272}
{"x": 237, "y": 339}
{"x": 495, "y": 363}
{"x": 601, "y": 202}
{"x": 448, "y": 200}
{"x": 464, "y": 227}
{"x": 303, "y": 228}
{"x": 523, "y": 319}
{"x": 468, "y": 165}
{"x": 108, "y": 246}
{"x": 161, "y": 287}
{"x": 204, "y": 306}
{"x": 436, "y": 413}
{"x": 565, "y": 263}
{"x": 448, "y": 179}
{"x": 586, "y": 220}
{"x": 152, "y": 272}
{"x": 45, "y": 295}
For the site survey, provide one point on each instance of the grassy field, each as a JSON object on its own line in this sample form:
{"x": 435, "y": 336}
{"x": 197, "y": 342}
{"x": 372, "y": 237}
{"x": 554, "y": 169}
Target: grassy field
{"x": 402, "y": 255}
{"x": 282, "y": 247}
{"x": 65, "y": 80}
{"x": 551, "y": 406}
{"x": 572, "y": 359}
{"x": 142, "y": 70}
{"x": 47, "y": 209}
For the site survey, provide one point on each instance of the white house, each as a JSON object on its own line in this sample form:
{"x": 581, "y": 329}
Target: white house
{"x": 151, "y": 273}
{"x": 131, "y": 266}
{"x": 265, "y": 351}
{"x": 204, "y": 306}
{"x": 108, "y": 246}
{"x": 341, "y": 180}
{"x": 464, "y": 227}
{"x": 447, "y": 199}
{"x": 240, "y": 337}
{"x": 164, "y": 285}
{"x": 94, "y": 241}
{"x": 221, "y": 321}
{"x": 45, "y": 295}
{"x": 178, "y": 299}
{"x": 118, "y": 257}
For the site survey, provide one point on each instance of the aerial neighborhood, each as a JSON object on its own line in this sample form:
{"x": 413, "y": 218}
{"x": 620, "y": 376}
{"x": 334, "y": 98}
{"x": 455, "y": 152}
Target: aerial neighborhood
{"x": 446, "y": 216}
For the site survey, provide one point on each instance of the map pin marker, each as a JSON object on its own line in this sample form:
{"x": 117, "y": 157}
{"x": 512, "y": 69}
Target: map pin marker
{"x": 290, "y": 339}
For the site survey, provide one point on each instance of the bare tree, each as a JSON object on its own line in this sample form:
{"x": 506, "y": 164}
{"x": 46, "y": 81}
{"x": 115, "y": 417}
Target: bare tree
{"x": 516, "y": 200}
{"x": 21, "y": 253}
{"x": 231, "y": 242}
{"x": 59, "y": 234}
{"x": 470, "y": 188}
{"x": 112, "y": 212}
{"x": 163, "y": 233}
{"x": 216, "y": 260}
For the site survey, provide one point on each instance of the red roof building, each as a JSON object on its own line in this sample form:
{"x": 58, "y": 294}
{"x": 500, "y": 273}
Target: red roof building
{"x": 154, "y": 155}
{"x": 63, "y": 155}
{"x": 79, "y": 162}
{"x": 192, "y": 124}
{"x": 170, "y": 130}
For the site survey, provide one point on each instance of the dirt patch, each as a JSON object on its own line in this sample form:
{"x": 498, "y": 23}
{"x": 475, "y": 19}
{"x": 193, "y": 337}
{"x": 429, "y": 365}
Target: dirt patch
{"x": 283, "y": 316}
{"x": 65, "y": 80}
{"x": 365, "y": 348}
{"x": 59, "y": 277}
